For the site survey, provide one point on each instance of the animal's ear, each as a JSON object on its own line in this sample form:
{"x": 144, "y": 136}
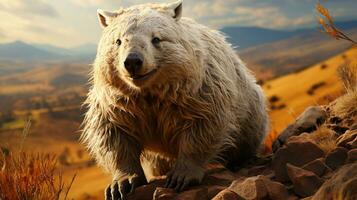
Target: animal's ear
{"x": 176, "y": 7}
{"x": 106, "y": 17}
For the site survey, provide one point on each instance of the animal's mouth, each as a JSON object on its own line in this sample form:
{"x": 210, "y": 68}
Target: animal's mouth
{"x": 141, "y": 77}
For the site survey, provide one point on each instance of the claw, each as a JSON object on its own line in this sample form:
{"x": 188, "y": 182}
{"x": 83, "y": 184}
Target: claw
{"x": 136, "y": 182}
{"x": 119, "y": 190}
{"x": 115, "y": 191}
{"x": 124, "y": 188}
{"x": 173, "y": 181}
{"x": 180, "y": 181}
{"x": 108, "y": 194}
{"x": 180, "y": 178}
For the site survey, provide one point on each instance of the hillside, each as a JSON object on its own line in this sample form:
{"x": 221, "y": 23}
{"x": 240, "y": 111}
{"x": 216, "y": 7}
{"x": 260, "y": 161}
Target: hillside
{"x": 290, "y": 95}
{"x": 289, "y": 55}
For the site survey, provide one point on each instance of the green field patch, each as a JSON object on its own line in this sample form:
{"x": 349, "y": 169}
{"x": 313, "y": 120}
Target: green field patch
{"x": 15, "y": 124}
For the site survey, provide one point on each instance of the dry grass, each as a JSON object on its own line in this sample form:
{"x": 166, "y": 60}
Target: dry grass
{"x": 346, "y": 106}
{"x": 31, "y": 177}
{"x": 348, "y": 75}
{"x": 325, "y": 138}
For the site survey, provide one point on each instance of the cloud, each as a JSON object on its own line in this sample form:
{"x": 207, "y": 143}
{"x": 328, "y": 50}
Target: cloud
{"x": 88, "y": 2}
{"x": 28, "y": 8}
{"x": 224, "y": 13}
{"x": 73, "y": 22}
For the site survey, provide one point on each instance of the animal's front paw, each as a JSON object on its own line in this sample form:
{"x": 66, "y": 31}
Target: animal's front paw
{"x": 119, "y": 190}
{"x": 183, "y": 175}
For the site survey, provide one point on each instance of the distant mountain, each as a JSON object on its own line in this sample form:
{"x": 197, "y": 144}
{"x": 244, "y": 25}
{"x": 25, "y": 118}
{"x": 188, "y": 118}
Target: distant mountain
{"x": 241, "y": 37}
{"x": 53, "y": 49}
{"x": 245, "y": 37}
{"x": 22, "y": 51}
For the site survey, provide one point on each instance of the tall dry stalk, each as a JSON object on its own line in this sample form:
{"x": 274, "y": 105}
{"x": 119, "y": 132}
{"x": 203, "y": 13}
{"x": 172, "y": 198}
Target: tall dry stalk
{"x": 328, "y": 25}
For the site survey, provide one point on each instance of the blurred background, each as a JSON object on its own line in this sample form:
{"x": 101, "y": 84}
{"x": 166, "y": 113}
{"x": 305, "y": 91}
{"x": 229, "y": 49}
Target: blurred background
{"x": 46, "y": 48}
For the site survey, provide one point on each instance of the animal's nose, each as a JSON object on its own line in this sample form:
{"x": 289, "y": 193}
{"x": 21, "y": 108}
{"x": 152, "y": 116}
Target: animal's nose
{"x": 133, "y": 63}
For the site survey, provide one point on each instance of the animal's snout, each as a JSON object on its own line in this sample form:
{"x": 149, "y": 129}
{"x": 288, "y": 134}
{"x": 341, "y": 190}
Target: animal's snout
{"x": 134, "y": 62}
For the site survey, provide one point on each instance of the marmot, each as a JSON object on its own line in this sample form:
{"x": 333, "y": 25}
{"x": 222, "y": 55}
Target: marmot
{"x": 170, "y": 94}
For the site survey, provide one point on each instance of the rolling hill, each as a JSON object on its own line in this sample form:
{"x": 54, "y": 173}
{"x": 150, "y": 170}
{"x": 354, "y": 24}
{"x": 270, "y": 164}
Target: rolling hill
{"x": 316, "y": 85}
{"x": 293, "y": 54}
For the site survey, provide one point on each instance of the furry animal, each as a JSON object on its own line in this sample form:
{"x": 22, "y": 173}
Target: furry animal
{"x": 171, "y": 95}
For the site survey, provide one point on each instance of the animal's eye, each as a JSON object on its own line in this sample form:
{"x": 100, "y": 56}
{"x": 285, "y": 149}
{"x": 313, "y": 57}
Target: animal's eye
{"x": 156, "y": 41}
{"x": 118, "y": 42}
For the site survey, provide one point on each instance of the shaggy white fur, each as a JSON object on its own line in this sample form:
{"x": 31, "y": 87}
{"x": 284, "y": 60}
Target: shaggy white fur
{"x": 198, "y": 104}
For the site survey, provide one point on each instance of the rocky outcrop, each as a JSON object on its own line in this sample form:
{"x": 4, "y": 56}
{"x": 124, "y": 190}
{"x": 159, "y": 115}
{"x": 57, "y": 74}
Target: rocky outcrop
{"x": 305, "y": 164}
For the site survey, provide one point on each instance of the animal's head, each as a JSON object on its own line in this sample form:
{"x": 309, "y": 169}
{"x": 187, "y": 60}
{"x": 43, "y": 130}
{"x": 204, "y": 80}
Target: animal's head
{"x": 144, "y": 46}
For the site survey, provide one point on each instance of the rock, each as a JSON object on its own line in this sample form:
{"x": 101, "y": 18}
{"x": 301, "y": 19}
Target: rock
{"x": 352, "y": 155}
{"x": 348, "y": 139}
{"x": 227, "y": 195}
{"x": 336, "y": 158}
{"x": 352, "y": 144}
{"x": 343, "y": 184}
{"x": 276, "y": 190}
{"x": 145, "y": 192}
{"x": 307, "y": 198}
{"x": 305, "y": 182}
{"x": 308, "y": 121}
{"x": 214, "y": 190}
{"x": 297, "y": 153}
{"x": 259, "y": 187}
{"x": 317, "y": 166}
{"x": 170, "y": 194}
{"x": 164, "y": 194}
{"x": 251, "y": 188}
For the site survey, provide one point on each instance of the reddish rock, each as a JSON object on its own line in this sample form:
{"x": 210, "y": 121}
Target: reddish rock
{"x": 348, "y": 139}
{"x": 276, "y": 190}
{"x": 164, "y": 194}
{"x": 145, "y": 192}
{"x": 305, "y": 183}
{"x": 214, "y": 190}
{"x": 352, "y": 155}
{"x": 170, "y": 194}
{"x": 193, "y": 194}
{"x": 336, "y": 158}
{"x": 352, "y": 144}
{"x": 227, "y": 195}
{"x": 259, "y": 187}
{"x": 250, "y": 188}
{"x": 295, "y": 152}
{"x": 317, "y": 166}
{"x": 311, "y": 118}
{"x": 342, "y": 184}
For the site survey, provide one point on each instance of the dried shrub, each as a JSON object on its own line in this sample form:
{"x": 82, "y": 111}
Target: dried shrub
{"x": 346, "y": 105}
{"x": 328, "y": 25}
{"x": 348, "y": 76}
{"x": 325, "y": 138}
{"x": 323, "y": 66}
{"x": 278, "y": 107}
{"x": 314, "y": 87}
{"x": 274, "y": 99}
{"x": 31, "y": 177}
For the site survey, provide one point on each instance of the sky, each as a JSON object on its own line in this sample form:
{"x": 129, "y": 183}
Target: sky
{"x": 70, "y": 23}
